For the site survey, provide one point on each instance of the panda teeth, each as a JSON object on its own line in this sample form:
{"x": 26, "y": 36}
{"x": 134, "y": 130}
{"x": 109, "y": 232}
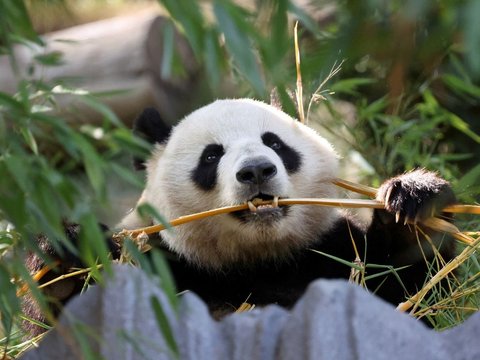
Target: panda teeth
{"x": 253, "y": 207}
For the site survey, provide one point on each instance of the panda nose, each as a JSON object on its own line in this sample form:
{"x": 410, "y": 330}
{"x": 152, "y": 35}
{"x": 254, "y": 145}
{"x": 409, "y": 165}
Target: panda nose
{"x": 256, "y": 174}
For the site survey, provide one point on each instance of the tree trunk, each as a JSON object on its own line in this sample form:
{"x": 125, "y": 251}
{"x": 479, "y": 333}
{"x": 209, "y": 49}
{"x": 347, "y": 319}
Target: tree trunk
{"x": 119, "y": 57}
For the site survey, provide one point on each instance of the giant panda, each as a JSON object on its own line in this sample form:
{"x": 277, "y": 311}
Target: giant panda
{"x": 234, "y": 151}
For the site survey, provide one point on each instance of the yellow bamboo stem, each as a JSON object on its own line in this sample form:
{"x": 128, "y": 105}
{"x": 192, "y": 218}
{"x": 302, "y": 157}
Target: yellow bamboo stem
{"x": 69, "y": 275}
{"x": 37, "y": 276}
{"x": 442, "y": 273}
{"x": 358, "y": 188}
{"x": 299, "y": 90}
{"x": 345, "y": 203}
{"x": 463, "y": 209}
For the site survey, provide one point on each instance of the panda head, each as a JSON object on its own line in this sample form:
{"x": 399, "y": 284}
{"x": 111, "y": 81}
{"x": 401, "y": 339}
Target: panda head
{"x": 228, "y": 153}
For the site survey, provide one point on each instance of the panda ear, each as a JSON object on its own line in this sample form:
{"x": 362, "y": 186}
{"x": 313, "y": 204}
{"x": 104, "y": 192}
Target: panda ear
{"x": 150, "y": 126}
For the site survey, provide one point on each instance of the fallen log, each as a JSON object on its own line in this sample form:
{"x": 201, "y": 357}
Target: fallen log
{"x": 119, "y": 58}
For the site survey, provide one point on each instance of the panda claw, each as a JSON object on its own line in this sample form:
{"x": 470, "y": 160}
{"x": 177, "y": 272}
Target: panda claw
{"x": 397, "y": 216}
{"x": 388, "y": 194}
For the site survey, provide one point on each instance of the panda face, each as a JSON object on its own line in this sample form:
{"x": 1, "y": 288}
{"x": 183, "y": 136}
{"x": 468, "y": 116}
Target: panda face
{"x": 233, "y": 152}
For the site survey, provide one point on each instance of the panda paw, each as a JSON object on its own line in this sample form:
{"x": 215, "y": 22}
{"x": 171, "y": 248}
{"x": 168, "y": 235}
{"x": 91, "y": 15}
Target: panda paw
{"x": 416, "y": 195}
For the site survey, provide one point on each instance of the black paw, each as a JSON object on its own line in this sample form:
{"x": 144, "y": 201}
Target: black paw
{"x": 416, "y": 195}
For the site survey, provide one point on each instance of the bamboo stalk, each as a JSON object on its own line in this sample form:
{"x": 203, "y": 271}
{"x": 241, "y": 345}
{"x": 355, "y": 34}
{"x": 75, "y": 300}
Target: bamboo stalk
{"x": 463, "y": 209}
{"x": 344, "y": 203}
{"x": 358, "y": 188}
{"x": 38, "y": 276}
{"x": 299, "y": 90}
{"x": 442, "y": 273}
{"x": 69, "y": 275}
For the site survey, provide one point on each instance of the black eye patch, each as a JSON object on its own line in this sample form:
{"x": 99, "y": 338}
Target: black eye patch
{"x": 292, "y": 160}
{"x": 205, "y": 174}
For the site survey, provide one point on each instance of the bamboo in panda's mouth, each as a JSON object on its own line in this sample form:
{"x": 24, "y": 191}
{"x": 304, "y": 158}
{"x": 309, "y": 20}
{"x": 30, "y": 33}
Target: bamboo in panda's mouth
{"x": 259, "y": 204}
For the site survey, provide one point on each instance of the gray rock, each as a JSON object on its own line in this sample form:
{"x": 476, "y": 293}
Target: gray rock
{"x": 333, "y": 320}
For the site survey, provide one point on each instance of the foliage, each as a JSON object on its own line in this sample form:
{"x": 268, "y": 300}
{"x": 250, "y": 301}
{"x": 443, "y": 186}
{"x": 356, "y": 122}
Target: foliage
{"x": 411, "y": 68}
{"x": 42, "y": 161}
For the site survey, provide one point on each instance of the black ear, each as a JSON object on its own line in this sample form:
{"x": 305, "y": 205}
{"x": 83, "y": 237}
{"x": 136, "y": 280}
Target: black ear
{"x": 150, "y": 126}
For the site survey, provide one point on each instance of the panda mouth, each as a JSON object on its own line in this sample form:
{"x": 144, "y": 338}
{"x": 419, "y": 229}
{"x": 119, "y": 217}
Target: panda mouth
{"x": 262, "y": 207}
{"x": 258, "y": 203}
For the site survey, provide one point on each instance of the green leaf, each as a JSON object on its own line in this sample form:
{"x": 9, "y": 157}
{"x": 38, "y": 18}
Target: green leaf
{"x": 53, "y": 58}
{"x": 469, "y": 180}
{"x": 231, "y": 22}
{"x": 188, "y": 15}
{"x": 14, "y": 15}
{"x": 340, "y": 260}
{"x": 94, "y": 166}
{"x": 165, "y": 327}
{"x": 471, "y": 35}
{"x": 9, "y": 302}
{"x": 18, "y": 169}
{"x": 168, "y": 50}
{"x": 213, "y": 57}
{"x": 390, "y": 270}
{"x": 462, "y": 126}
{"x": 274, "y": 46}
{"x": 65, "y": 135}
{"x": 167, "y": 282}
{"x": 93, "y": 244}
{"x": 139, "y": 258}
{"x": 44, "y": 200}
{"x": 127, "y": 175}
{"x": 350, "y": 86}
{"x": 461, "y": 85}
{"x": 304, "y": 18}
{"x": 148, "y": 211}
{"x": 29, "y": 139}
{"x": 103, "y": 109}
{"x": 11, "y": 103}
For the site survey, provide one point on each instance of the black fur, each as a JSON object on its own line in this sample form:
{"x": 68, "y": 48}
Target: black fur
{"x": 205, "y": 174}
{"x": 292, "y": 160}
{"x": 59, "y": 293}
{"x": 150, "y": 126}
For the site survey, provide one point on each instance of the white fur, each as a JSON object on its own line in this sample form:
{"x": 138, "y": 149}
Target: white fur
{"x": 221, "y": 240}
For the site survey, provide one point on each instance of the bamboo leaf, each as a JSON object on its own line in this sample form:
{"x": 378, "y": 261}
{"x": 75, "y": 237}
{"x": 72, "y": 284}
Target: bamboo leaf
{"x": 168, "y": 50}
{"x": 234, "y": 27}
{"x": 107, "y": 113}
{"x": 188, "y": 15}
{"x": 461, "y": 86}
{"x": 167, "y": 282}
{"x": 93, "y": 244}
{"x": 165, "y": 327}
{"x": 29, "y": 139}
